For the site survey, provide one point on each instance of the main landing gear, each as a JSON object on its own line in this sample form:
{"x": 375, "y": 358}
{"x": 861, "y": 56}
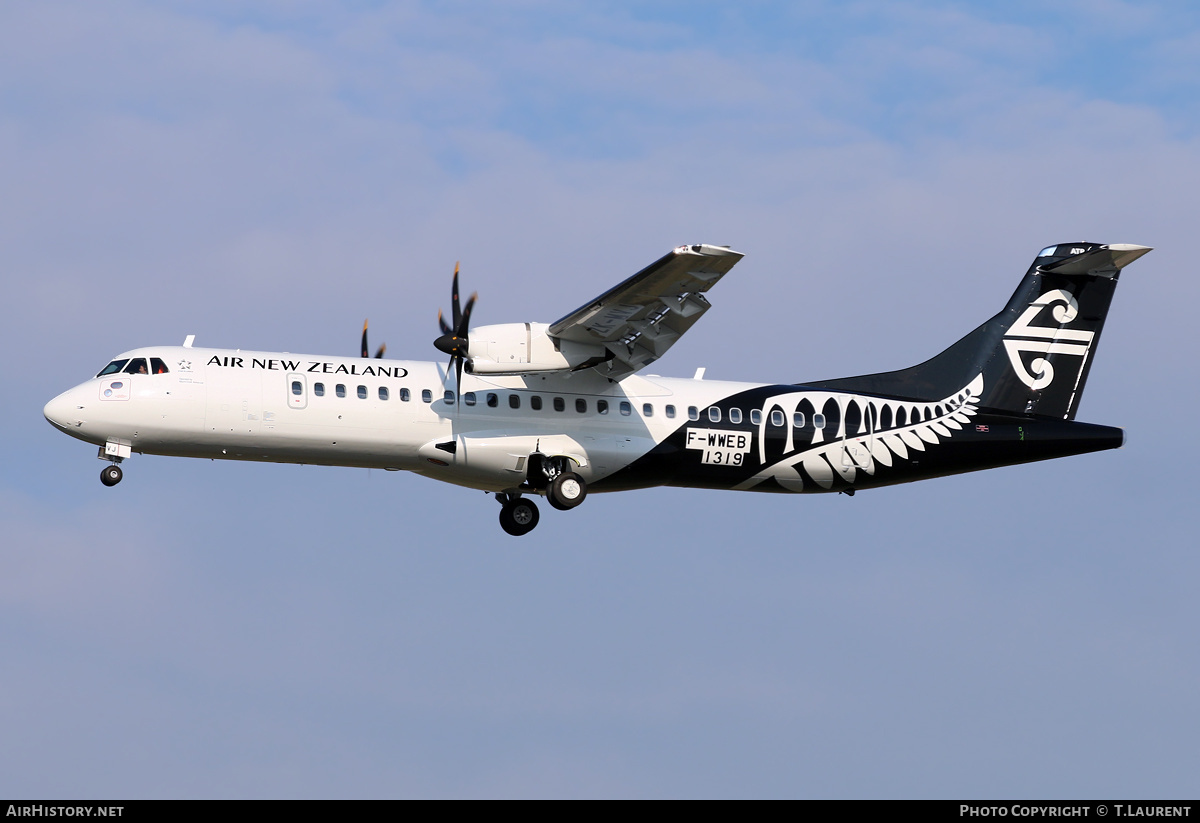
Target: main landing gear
{"x": 553, "y": 476}
{"x": 519, "y": 515}
{"x": 566, "y": 491}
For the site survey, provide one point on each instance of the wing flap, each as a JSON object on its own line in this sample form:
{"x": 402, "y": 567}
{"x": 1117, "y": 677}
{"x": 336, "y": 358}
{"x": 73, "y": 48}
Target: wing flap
{"x": 639, "y": 319}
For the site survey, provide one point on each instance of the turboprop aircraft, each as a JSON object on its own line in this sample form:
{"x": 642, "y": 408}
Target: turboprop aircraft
{"x": 523, "y": 410}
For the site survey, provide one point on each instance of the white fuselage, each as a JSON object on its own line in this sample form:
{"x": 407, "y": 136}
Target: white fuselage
{"x": 386, "y": 414}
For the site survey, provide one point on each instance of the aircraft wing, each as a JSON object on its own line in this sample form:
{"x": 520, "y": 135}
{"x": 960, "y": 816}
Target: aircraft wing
{"x": 638, "y": 320}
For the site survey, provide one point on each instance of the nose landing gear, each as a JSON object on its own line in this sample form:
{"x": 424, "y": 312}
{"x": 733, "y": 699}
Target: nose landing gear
{"x": 114, "y": 451}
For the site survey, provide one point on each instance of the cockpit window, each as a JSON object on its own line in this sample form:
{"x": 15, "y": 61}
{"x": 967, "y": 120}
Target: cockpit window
{"x": 137, "y": 366}
{"x": 157, "y": 366}
{"x": 113, "y": 367}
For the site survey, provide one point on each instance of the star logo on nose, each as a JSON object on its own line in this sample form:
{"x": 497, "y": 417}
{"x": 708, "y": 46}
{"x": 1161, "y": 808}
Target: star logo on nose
{"x": 185, "y": 365}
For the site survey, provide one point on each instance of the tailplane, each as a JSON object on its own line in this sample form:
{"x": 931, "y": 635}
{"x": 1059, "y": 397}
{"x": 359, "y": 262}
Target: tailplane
{"x": 1036, "y": 354}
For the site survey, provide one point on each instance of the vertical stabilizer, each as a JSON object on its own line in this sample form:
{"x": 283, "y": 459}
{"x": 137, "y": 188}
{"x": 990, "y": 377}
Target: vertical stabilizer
{"x": 1035, "y": 355}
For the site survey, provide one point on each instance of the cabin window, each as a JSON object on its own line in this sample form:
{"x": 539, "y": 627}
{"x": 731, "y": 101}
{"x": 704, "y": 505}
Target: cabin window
{"x": 670, "y": 410}
{"x": 756, "y": 417}
{"x": 448, "y": 397}
{"x": 648, "y": 409}
{"x": 340, "y": 390}
{"x": 535, "y": 402}
{"x": 777, "y": 418}
{"x": 319, "y": 389}
{"x": 362, "y": 392}
{"x": 493, "y": 400}
{"x": 693, "y": 413}
{"x": 560, "y": 404}
{"x": 735, "y": 415}
{"x": 626, "y": 409}
{"x": 383, "y": 393}
{"x": 426, "y": 396}
{"x": 113, "y": 367}
{"x": 297, "y": 389}
{"x": 818, "y": 421}
{"x": 137, "y": 366}
{"x": 714, "y": 414}
{"x": 405, "y": 395}
{"x": 798, "y": 420}
{"x": 580, "y": 405}
{"x": 469, "y": 398}
{"x": 601, "y": 407}
{"x": 157, "y": 366}
{"x": 514, "y": 401}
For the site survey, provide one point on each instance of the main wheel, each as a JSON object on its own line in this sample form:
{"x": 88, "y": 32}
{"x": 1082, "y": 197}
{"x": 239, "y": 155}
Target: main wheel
{"x": 519, "y": 517}
{"x": 111, "y": 475}
{"x": 567, "y": 491}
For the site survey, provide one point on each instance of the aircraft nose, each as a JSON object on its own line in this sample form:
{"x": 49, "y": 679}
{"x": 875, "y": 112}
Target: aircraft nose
{"x": 60, "y": 410}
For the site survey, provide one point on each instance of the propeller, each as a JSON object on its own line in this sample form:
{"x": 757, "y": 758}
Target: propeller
{"x": 366, "y": 352}
{"x": 454, "y": 341}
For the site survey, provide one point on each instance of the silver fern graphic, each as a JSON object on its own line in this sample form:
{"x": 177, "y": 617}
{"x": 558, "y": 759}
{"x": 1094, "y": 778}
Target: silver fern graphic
{"x": 886, "y": 429}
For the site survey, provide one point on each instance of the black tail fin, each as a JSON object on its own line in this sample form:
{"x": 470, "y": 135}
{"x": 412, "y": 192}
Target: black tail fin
{"x": 1035, "y": 355}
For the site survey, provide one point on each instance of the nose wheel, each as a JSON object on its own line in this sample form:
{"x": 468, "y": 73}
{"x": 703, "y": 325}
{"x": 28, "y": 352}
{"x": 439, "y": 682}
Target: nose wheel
{"x": 518, "y": 516}
{"x": 111, "y": 475}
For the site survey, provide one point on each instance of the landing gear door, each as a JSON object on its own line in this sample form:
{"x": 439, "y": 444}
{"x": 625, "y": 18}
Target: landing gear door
{"x": 297, "y": 391}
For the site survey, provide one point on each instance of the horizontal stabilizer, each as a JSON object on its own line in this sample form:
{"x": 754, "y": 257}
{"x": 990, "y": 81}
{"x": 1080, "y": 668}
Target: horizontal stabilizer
{"x": 1103, "y": 261}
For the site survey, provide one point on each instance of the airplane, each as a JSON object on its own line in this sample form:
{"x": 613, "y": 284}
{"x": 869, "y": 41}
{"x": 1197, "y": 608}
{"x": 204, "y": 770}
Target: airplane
{"x": 526, "y": 410}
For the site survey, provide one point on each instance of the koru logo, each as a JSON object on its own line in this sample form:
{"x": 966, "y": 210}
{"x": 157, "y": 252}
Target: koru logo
{"x": 1026, "y": 337}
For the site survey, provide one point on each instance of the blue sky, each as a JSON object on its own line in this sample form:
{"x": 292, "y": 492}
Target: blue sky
{"x": 265, "y": 179}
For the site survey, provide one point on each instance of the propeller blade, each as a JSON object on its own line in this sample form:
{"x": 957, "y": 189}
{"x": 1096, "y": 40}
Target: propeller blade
{"x": 454, "y": 297}
{"x": 464, "y": 324}
{"x": 382, "y": 349}
{"x": 365, "y": 350}
{"x": 454, "y": 340}
{"x": 458, "y": 367}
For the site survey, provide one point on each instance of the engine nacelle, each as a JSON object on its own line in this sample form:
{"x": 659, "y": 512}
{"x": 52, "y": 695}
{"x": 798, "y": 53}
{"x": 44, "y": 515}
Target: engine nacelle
{"x": 521, "y": 348}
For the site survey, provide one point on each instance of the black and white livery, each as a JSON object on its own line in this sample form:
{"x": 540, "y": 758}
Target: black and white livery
{"x": 527, "y": 410}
